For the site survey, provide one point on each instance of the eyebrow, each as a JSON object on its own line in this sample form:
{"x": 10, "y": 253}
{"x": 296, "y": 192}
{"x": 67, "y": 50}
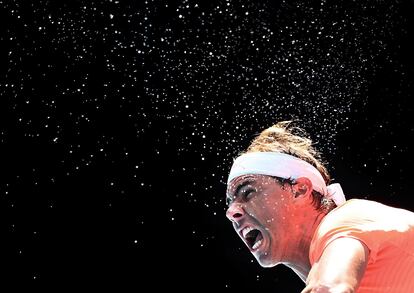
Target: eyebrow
{"x": 239, "y": 187}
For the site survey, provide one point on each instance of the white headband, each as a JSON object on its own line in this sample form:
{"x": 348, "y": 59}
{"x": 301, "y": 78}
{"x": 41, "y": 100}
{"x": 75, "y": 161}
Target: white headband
{"x": 287, "y": 167}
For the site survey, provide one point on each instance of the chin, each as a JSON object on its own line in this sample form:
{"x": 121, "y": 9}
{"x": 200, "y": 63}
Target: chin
{"x": 267, "y": 265}
{"x": 266, "y": 261}
{"x": 266, "y": 256}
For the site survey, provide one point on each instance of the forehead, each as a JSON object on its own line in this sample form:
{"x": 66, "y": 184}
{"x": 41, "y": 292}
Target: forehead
{"x": 252, "y": 179}
{"x": 240, "y": 180}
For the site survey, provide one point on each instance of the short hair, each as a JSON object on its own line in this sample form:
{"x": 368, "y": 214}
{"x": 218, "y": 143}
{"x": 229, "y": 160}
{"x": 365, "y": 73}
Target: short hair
{"x": 284, "y": 137}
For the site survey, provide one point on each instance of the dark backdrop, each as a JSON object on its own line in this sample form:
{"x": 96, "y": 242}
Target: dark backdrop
{"x": 119, "y": 121}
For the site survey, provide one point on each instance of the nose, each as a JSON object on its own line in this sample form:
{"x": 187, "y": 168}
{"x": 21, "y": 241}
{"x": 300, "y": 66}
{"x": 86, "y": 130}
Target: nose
{"x": 235, "y": 212}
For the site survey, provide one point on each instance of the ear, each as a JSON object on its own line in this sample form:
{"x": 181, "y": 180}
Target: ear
{"x": 302, "y": 188}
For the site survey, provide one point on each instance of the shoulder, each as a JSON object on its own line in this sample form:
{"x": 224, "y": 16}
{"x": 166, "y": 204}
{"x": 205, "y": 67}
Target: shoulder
{"x": 349, "y": 212}
{"x": 367, "y": 221}
{"x": 357, "y": 212}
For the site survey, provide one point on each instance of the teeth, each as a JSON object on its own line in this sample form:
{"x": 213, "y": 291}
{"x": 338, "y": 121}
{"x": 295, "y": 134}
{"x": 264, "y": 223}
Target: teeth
{"x": 246, "y": 230}
{"x": 257, "y": 244}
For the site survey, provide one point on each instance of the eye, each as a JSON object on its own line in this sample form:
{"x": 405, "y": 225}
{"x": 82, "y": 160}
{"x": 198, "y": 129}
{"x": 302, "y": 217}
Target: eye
{"x": 228, "y": 201}
{"x": 248, "y": 193}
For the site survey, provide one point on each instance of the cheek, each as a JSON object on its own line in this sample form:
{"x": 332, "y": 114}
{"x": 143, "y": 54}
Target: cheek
{"x": 264, "y": 211}
{"x": 269, "y": 209}
{"x": 271, "y": 215}
{"x": 271, "y": 199}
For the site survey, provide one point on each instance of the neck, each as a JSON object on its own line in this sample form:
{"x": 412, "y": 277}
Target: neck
{"x": 299, "y": 261}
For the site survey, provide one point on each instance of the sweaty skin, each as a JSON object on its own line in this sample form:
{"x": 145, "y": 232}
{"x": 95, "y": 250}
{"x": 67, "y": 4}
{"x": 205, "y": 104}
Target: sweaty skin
{"x": 284, "y": 220}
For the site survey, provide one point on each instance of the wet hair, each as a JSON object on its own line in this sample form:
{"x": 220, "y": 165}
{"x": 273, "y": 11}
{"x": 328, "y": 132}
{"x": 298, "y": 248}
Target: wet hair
{"x": 286, "y": 138}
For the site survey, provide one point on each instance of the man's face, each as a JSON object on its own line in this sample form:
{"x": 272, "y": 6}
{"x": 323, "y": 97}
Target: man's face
{"x": 261, "y": 210}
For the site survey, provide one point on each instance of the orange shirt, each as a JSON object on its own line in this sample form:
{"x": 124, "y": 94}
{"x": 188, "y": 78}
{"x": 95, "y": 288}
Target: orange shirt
{"x": 387, "y": 232}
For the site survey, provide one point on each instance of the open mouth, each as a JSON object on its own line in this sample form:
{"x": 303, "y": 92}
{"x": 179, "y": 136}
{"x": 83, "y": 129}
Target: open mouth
{"x": 253, "y": 237}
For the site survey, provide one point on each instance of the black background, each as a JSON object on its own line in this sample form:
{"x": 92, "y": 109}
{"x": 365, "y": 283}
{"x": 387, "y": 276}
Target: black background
{"x": 120, "y": 119}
